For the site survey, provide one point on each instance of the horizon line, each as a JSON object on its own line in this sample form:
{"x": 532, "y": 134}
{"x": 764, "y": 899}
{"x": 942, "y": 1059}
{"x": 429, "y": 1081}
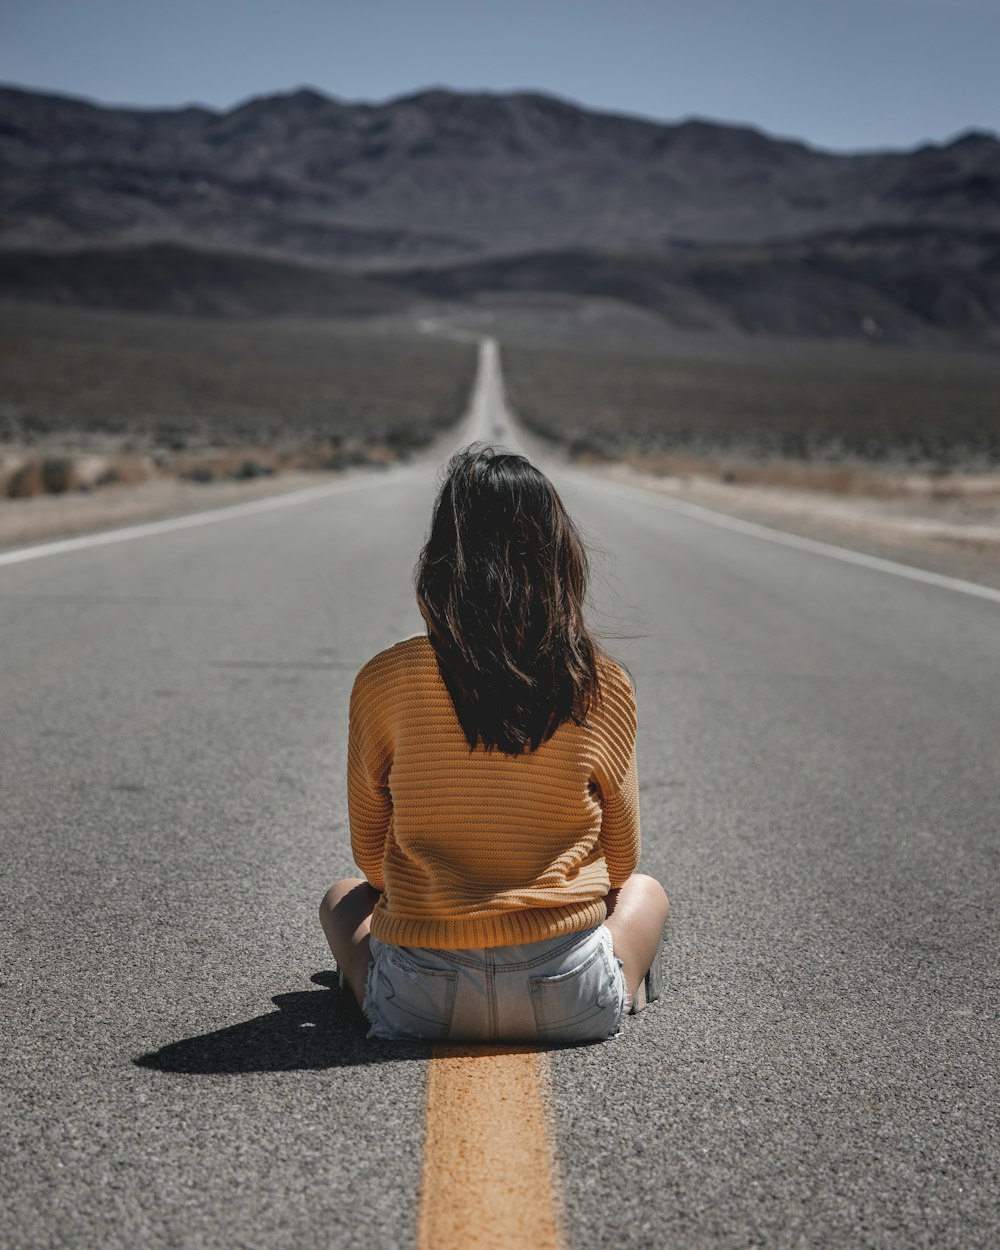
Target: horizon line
{"x": 496, "y": 93}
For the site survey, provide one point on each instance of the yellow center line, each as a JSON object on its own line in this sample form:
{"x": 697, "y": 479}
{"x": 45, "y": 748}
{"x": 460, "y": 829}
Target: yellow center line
{"x": 488, "y": 1161}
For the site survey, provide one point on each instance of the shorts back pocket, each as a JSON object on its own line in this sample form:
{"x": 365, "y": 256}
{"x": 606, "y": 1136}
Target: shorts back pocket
{"x": 581, "y": 1005}
{"x": 406, "y": 1000}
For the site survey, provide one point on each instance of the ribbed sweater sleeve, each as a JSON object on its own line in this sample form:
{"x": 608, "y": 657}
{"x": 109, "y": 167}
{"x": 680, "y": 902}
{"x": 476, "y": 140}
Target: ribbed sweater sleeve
{"x": 618, "y": 783}
{"x": 369, "y": 803}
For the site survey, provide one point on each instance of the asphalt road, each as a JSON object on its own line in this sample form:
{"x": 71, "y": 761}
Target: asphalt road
{"x": 820, "y": 772}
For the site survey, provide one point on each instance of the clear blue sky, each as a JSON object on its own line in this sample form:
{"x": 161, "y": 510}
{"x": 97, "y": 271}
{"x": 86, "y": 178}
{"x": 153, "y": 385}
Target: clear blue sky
{"x": 842, "y": 74}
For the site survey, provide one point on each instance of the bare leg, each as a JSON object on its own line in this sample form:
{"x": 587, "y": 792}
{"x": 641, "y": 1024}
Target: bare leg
{"x": 637, "y": 912}
{"x": 345, "y": 914}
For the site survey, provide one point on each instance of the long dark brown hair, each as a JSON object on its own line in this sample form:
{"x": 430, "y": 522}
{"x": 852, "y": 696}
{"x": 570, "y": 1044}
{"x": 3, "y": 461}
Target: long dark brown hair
{"x": 501, "y": 583}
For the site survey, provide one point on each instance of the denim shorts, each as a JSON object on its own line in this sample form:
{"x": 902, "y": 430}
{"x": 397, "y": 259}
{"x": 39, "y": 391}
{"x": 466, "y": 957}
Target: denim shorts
{"x": 562, "y": 990}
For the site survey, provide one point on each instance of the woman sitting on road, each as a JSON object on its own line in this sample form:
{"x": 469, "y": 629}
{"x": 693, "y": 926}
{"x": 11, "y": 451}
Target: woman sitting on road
{"x": 492, "y": 791}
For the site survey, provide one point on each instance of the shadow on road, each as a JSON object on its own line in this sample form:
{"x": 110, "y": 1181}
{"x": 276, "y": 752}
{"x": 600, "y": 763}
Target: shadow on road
{"x": 310, "y": 1029}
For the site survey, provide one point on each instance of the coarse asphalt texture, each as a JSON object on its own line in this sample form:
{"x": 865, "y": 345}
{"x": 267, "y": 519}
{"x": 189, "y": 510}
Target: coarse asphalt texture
{"x": 819, "y": 761}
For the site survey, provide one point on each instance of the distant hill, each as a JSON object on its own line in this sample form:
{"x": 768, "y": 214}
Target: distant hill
{"x": 890, "y": 283}
{"x": 167, "y": 277}
{"x": 453, "y": 195}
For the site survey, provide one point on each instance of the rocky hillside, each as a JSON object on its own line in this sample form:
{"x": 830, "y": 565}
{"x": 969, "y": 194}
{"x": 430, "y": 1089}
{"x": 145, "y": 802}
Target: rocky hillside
{"x": 452, "y": 196}
{"x": 443, "y": 174}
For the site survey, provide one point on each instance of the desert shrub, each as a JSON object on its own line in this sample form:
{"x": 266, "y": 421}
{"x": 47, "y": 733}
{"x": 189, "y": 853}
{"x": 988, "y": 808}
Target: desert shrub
{"x": 345, "y": 458}
{"x": 26, "y": 481}
{"x": 404, "y": 438}
{"x": 58, "y": 475}
{"x": 250, "y": 468}
{"x": 587, "y": 448}
{"x": 53, "y": 475}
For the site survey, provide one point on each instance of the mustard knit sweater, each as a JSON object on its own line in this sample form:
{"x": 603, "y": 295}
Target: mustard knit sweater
{"x": 477, "y": 848}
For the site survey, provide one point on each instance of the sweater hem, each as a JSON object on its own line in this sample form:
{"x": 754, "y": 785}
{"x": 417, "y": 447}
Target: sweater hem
{"x": 513, "y": 928}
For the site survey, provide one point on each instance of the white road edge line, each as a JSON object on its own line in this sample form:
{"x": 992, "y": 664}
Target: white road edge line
{"x": 769, "y": 534}
{"x": 193, "y": 519}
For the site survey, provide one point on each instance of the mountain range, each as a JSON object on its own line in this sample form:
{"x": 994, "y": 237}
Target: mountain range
{"x": 304, "y": 203}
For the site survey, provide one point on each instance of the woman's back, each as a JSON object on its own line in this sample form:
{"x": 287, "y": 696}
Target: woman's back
{"x": 481, "y": 848}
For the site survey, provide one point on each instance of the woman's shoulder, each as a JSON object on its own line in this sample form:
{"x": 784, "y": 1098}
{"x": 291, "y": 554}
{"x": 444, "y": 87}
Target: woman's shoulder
{"x": 406, "y": 657}
{"x": 616, "y": 697}
{"x": 614, "y": 677}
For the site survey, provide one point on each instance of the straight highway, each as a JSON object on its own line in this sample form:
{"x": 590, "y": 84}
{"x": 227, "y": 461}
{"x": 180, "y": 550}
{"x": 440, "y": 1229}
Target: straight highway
{"x": 819, "y": 760}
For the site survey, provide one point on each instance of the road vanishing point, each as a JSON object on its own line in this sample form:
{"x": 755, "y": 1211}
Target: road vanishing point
{"x": 819, "y": 763}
